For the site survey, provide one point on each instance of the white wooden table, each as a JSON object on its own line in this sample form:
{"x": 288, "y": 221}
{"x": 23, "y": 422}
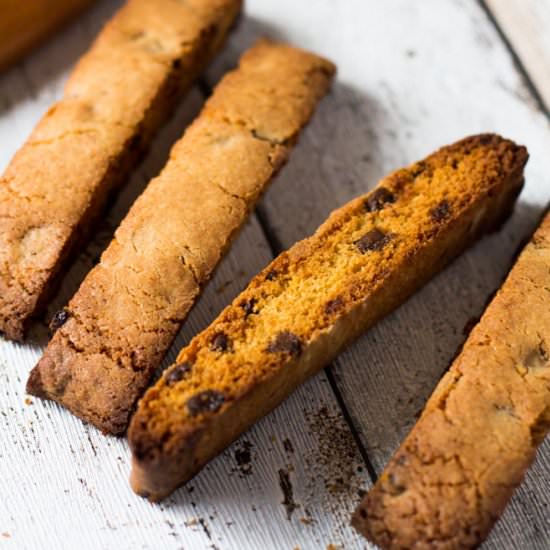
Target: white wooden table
{"x": 412, "y": 76}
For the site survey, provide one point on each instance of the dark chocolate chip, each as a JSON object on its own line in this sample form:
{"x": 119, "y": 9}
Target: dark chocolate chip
{"x": 441, "y": 211}
{"x": 485, "y": 139}
{"x": 373, "y": 240}
{"x": 248, "y": 307}
{"x": 271, "y": 275}
{"x": 332, "y": 306}
{"x": 204, "y": 402}
{"x": 220, "y": 342}
{"x": 59, "y": 319}
{"x": 378, "y": 198}
{"x": 177, "y": 373}
{"x": 418, "y": 168}
{"x": 395, "y": 486}
{"x": 285, "y": 342}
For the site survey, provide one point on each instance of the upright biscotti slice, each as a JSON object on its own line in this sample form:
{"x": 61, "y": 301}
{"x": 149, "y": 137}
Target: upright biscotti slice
{"x": 117, "y": 97}
{"x": 311, "y": 301}
{"x": 119, "y": 325}
{"x": 455, "y": 472}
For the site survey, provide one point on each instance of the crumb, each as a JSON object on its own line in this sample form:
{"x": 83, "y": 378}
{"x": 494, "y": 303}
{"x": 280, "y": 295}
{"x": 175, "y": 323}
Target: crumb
{"x": 287, "y": 444}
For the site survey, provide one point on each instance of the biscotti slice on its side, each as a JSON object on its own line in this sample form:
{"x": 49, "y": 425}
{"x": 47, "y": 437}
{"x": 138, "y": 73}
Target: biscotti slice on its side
{"x": 84, "y": 146}
{"x": 119, "y": 325}
{"x": 296, "y": 315}
{"x": 453, "y": 475}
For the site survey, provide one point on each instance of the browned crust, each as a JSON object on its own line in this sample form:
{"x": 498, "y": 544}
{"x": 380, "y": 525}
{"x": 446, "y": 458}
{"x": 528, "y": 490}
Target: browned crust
{"x": 311, "y": 301}
{"x": 455, "y": 472}
{"x": 126, "y": 313}
{"x": 25, "y": 25}
{"x": 120, "y": 92}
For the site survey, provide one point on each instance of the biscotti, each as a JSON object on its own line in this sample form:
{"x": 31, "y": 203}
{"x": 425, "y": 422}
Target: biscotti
{"x": 455, "y": 472}
{"x": 119, "y": 325}
{"x": 117, "y": 97}
{"x": 297, "y": 314}
{"x": 23, "y": 25}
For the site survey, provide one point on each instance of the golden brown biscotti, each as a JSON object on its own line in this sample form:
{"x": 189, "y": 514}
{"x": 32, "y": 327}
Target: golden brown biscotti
{"x": 119, "y": 325}
{"x": 25, "y": 24}
{"x": 296, "y": 315}
{"x": 84, "y": 146}
{"x": 455, "y": 472}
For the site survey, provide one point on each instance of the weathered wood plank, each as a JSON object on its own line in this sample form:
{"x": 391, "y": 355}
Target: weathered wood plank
{"x": 526, "y": 25}
{"x": 64, "y": 479}
{"x": 412, "y": 76}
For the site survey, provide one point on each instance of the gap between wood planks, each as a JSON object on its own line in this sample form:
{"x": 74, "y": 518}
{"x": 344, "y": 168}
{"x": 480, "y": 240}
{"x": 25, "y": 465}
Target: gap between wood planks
{"x": 516, "y": 58}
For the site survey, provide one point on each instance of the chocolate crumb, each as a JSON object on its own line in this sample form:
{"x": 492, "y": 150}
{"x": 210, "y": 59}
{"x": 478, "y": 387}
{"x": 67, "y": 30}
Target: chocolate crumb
{"x": 441, "y": 211}
{"x": 288, "y": 493}
{"x": 378, "y": 199}
{"x": 285, "y": 342}
{"x": 59, "y": 319}
{"x": 248, "y": 307}
{"x": 287, "y": 444}
{"x": 177, "y": 373}
{"x": 373, "y": 240}
{"x": 332, "y": 306}
{"x": 220, "y": 342}
{"x": 205, "y": 401}
{"x": 243, "y": 457}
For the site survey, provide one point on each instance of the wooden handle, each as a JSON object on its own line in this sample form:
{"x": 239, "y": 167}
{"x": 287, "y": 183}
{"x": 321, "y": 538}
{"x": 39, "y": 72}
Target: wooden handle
{"x": 24, "y": 23}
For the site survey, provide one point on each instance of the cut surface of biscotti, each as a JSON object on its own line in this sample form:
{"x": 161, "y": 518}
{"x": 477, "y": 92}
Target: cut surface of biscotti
{"x": 119, "y": 325}
{"x": 296, "y": 315}
{"x": 83, "y": 148}
{"x": 453, "y": 475}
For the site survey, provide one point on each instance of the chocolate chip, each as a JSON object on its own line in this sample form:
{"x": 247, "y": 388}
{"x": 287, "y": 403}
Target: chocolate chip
{"x": 485, "y": 139}
{"x": 441, "y": 211}
{"x": 220, "y": 342}
{"x": 271, "y": 275}
{"x": 418, "y": 169}
{"x": 395, "y": 488}
{"x": 378, "y": 198}
{"x": 285, "y": 342}
{"x": 373, "y": 240}
{"x": 332, "y": 306}
{"x": 248, "y": 307}
{"x": 205, "y": 401}
{"x": 59, "y": 319}
{"x": 177, "y": 373}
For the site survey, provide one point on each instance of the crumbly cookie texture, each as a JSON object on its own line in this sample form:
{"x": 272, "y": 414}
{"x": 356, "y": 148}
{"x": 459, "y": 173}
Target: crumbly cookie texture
{"x": 118, "y": 95}
{"x": 119, "y": 325}
{"x": 297, "y": 314}
{"x": 453, "y": 475}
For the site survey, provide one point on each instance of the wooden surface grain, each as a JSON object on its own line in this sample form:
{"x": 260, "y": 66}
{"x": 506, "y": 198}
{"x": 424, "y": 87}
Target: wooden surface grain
{"x": 412, "y": 76}
{"x": 526, "y": 26}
